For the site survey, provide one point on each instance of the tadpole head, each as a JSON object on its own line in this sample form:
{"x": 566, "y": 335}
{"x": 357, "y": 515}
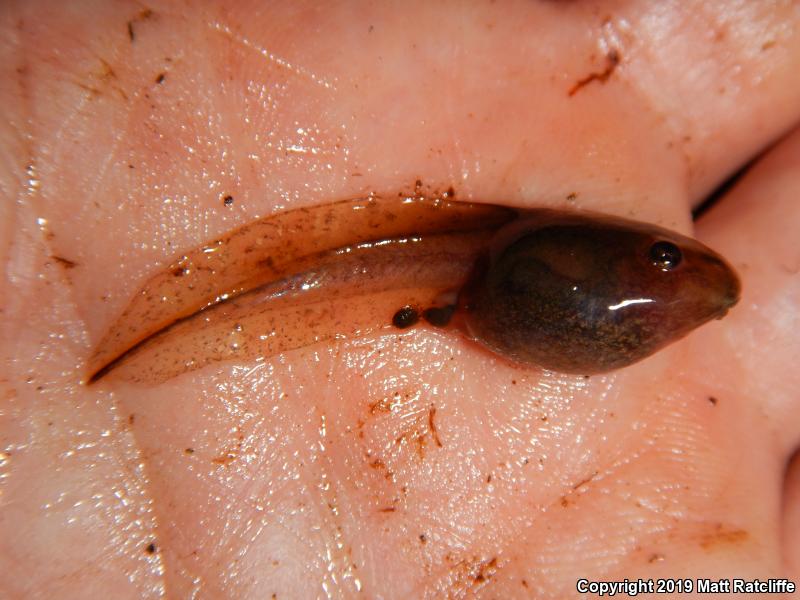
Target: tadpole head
{"x": 588, "y": 293}
{"x": 695, "y": 283}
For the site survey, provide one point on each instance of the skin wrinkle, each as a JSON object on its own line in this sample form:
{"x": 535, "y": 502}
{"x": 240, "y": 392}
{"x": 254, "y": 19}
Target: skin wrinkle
{"x": 622, "y": 39}
{"x": 269, "y": 56}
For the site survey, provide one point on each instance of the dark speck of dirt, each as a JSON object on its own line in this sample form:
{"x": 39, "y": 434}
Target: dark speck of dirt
{"x": 432, "y": 426}
{"x": 65, "y": 262}
{"x": 160, "y": 78}
{"x": 612, "y": 60}
{"x": 189, "y": 451}
{"x": 131, "y": 419}
{"x": 713, "y": 400}
{"x": 179, "y": 271}
{"x": 405, "y": 317}
{"x": 228, "y": 200}
{"x": 486, "y": 571}
{"x": 150, "y": 548}
{"x": 572, "y": 196}
{"x": 423, "y": 539}
{"x": 144, "y": 15}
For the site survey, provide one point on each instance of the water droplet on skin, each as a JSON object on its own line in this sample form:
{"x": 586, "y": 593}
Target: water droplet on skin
{"x": 236, "y": 339}
{"x": 33, "y": 180}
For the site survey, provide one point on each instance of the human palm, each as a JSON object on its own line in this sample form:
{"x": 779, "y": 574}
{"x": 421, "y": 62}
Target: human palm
{"x": 412, "y": 465}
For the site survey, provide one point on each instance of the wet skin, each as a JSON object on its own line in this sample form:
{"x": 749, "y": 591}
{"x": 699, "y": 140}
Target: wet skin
{"x": 401, "y": 463}
{"x": 571, "y": 292}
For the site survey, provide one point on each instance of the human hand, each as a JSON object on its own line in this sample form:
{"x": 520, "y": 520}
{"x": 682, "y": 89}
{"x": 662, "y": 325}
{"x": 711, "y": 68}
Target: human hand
{"x": 403, "y": 467}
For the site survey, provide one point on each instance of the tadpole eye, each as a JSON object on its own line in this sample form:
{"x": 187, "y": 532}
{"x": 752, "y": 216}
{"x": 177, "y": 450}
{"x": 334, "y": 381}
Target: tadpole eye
{"x": 665, "y": 255}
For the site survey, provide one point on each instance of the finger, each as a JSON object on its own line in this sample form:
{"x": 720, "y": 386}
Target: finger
{"x": 746, "y": 363}
{"x": 756, "y": 227}
{"x": 722, "y": 75}
{"x": 791, "y": 518}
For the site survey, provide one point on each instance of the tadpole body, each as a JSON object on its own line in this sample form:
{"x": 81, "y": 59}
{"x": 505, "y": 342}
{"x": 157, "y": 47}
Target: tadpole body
{"x": 568, "y": 291}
